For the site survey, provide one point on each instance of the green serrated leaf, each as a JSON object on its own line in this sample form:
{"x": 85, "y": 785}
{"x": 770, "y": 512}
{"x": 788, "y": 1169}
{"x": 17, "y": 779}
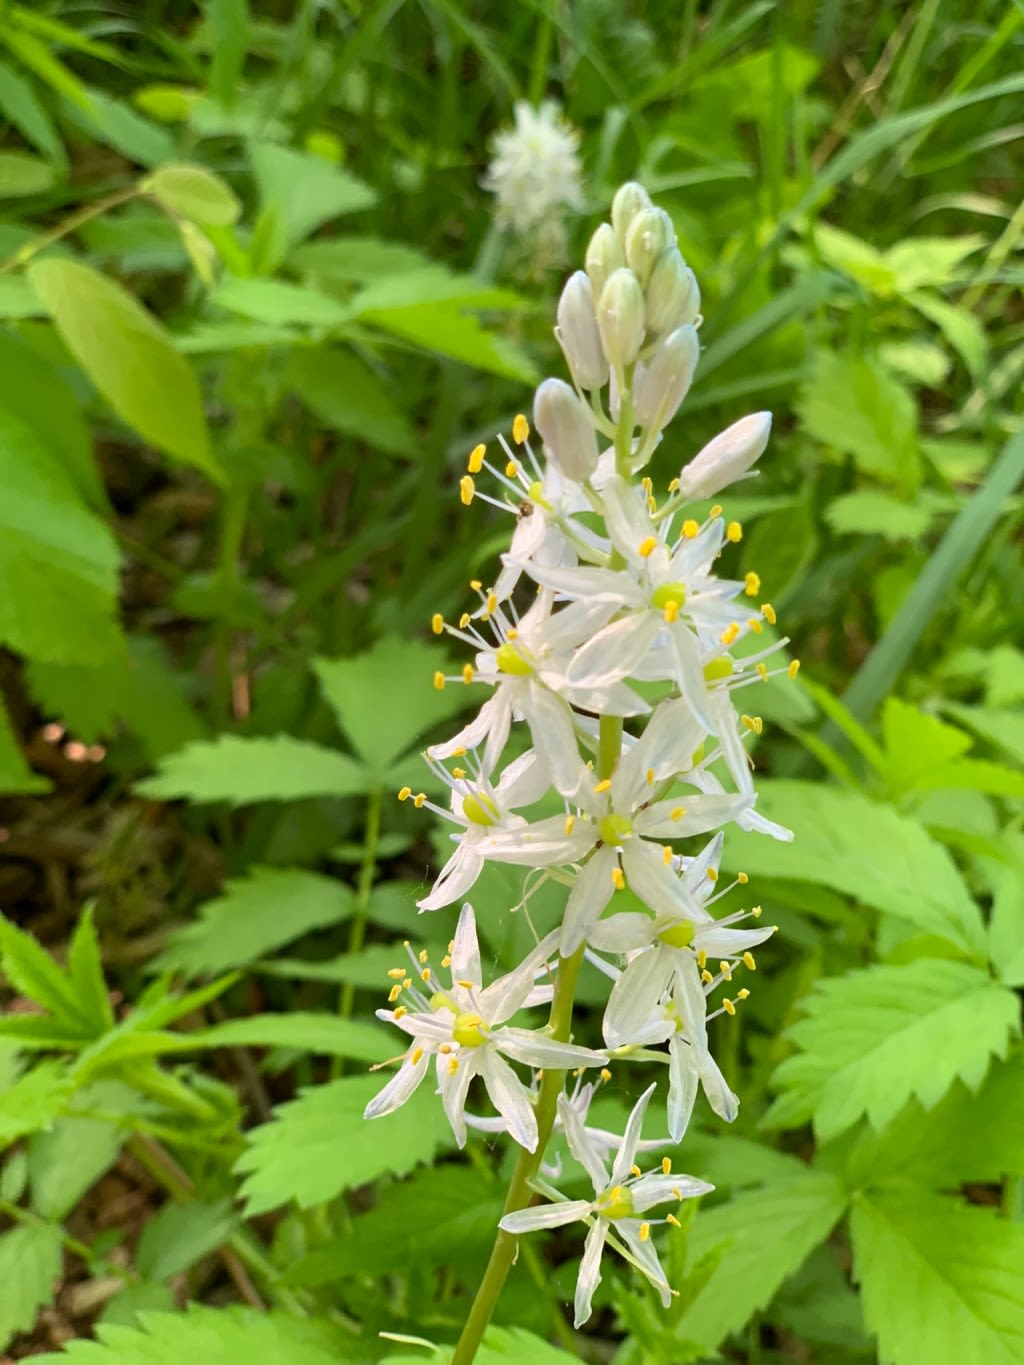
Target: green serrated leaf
{"x": 242, "y": 770}
{"x": 130, "y": 358}
{"x": 309, "y": 190}
{"x": 870, "y": 511}
{"x": 33, "y": 1101}
{"x": 32, "y": 971}
{"x": 941, "y": 1280}
{"x": 323, "y": 1034}
{"x": 872, "y": 1039}
{"x": 66, "y": 1159}
{"x": 276, "y": 302}
{"x": 181, "y": 1235}
{"x": 296, "y": 1156}
{"x": 31, "y": 1261}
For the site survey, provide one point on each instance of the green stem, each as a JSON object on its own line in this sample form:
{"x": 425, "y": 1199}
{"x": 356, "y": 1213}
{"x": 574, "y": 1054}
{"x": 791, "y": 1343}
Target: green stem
{"x": 520, "y": 1191}
{"x": 25, "y": 253}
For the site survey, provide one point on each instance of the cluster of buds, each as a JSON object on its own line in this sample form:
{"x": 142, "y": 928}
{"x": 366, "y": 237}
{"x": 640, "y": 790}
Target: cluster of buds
{"x": 625, "y": 592}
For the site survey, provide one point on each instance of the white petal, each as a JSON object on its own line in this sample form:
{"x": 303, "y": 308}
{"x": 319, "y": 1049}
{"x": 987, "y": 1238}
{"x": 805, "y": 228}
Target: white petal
{"x": 431, "y": 1028}
{"x": 591, "y": 892}
{"x": 399, "y": 1088}
{"x": 726, "y": 727}
{"x": 683, "y": 1083}
{"x": 626, "y": 1155}
{"x": 474, "y": 734}
{"x": 580, "y": 1144}
{"x": 700, "y": 814}
{"x": 653, "y": 880}
{"x": 629, "y": 1230}
{"x": 455, "y": 878}
{"x": 626, "y": 519}
{"x": 550, "y": 722}
{"x": 590, "y": 1271}
{"x": 590, "y": 585}
{"x": 665, "y": 748}
{"x": 636, "y": 995}
{"x": 539, "y": 1049}
{"x": 500, "y": 1000}
{"x": 455, "y": 1088}
{"x": 541, "y": 844}
{"x": 729, "y": 942}
{"x": 623, "y": 933}
{"x": 545, "y": 1216}
{"x": 722, "y": 1100}
{"x": 524, "y": 781}
{"x": 690, "y": 672}
{"x": 650, "y": 1190}
{"x": 614, "y": 652}
{"x": 465, "y": 951}
{"x": 511, "y": 1099}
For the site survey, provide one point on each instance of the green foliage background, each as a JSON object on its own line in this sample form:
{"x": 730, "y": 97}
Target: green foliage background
{"x": 253, "y": 313}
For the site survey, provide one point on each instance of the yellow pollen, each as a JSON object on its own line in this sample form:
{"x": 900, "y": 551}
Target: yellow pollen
{"x": 605, "y": 1074}
{"x": 466, "y": 985}
{"x": 460, "y": 773}
{"x": 618, "y": 878}
{"x": 453, "y": 1066}
{"x": 647, "y": 546}
{"x": 744, "y": 994}
{"x": 702, "y": 958}
{"x": 646, "y": 484}
{"x": 475, "y": 584}
{"x": 757, "y": 911}
{"x": 666, "y": 1165}
{"x": 635, "y": 1170}
{"x": 666, "y": 854}
{"x": 749, "y": 962}
{"x": 677, "y": 1194}
{"x": 394, "y": 992}
{"x": 689, "y": 530}
{"x": 520, "y": 429}
{"x": 419, "y": 800}
{"x": 742, "y": 878}
{"x": 423, "y": 955}
{"x": 476, "y": 459}
{"x": 752, "y": 582}
{"x": 671, "y": 1218}
{"x": 464, "y": 620}
{"x": 492, "y": 604}
{"x": 706, "y": 977}
{"x": 445, "y": 1049}
{"x": 645, "y": 1231}
{"x": 716, "y": 511}
{"x": 728, "y": 1006}
{"x": 570, "y": 822}
{"x": 673, "y": 486}
{"x": 794, "y": 668}
{"x": 401, "y": 1012}
{"x": 437, "y": 623}
{"x": 768, "y": 612}
{"x": 762, "y": 672}
{"x": 417, "y": 1056}
{"x": 511, "y": 469}
{"x": 677, "y": 813}
{"x": 466, "y": 490}
{"x": 396, "y": 973}
{"x": 405, "y": 793}
{"x": 425, "y": 974}
{"x": 446, "y": 961}
{"x": 406, "y": 982}
{"x": 730, "y": 633}
{"x": 754, "y": 622}
{"x": 439, "y": 681}
{"x": 726, "y": 970}
{"x": 603, "y": 786}
{"x": 649, "y": 777}
{"x": 467, "y": 673}
{"x": 734, "y": 532}
{"x": 671, "y": 611}
{"x": 712, "y": 874}
{"x": 512, "y": 634}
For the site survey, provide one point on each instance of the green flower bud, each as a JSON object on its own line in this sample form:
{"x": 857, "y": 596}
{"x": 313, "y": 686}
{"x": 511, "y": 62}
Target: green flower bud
{"x": 604, "y": 255}
{"x": 567, "y": 430}
{"x": 662, "y": 384}
{"x": 620, "y": 319}
{"x": 672, "y": 297}
{"x": 630, "y": 200}
{"x": 578, "y": 335}
{"x": 650, "y": 235}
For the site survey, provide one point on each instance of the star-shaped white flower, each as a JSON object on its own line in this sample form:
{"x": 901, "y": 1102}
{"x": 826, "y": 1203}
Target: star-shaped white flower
{"x": 462, "y": 1026}
{"x": 620, "y": 1194}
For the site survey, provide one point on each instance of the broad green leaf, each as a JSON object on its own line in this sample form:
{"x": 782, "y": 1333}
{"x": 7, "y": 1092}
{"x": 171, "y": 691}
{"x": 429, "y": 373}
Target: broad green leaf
{"x": 31, "y": 1263}
{"x": 384, "y": 700}
{"x": 39, "y": 58}
{"x": 870, "y": 511}
{"x": 116, "y": 124}
{"x": 1006, "y": 921}
{"x": 195, "y": 193}
{"x": 16, "y": 777}
{"x": 309, "y": 190}
{"x": 129, "y": 357}
{"x": 344, "y": 393}
{"x": 230, "y": 38}
{"x": 922, "y": 262}
{"x": 22, "y": 108}
{"x": 297, "y": 1156}
{"x": 21, "y": 174}
{"x": 324, "y": 1034}
{"x": 853, "y": 257}
{"x": 1002, "y": 727}
{"x": 67, "y": 1158}
{"x": 33, "y": 1101}
{"x": 941, "y": 1280}
{"x": 446, "y": 330}
{"x": 242, "y": 770}
{"x": 18, "y": 299}
{"x": 209, "y": 1336}
{"x": 181, "y": 1235}
{"x": 58, "y": 560}
{"x": 352, "y": 260}
{"x": 277, "y": 302}
{"x": 433, "y": 284}
{"x": 872, "y": 1039}
{"x": 960, "y": 327}
{"x": 255, "y": 916}
{"x": 915, "y": 742}
{"x": 767, "y": 1234}
{"x": 852, "y": 406}
{"x": 868, "y": 851}
{"x": 925, "y": 364}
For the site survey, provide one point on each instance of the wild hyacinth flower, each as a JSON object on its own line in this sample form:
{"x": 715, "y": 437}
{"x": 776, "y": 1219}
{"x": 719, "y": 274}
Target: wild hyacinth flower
{"x": 615, "y": 686}
{"x": 535, "y": 177}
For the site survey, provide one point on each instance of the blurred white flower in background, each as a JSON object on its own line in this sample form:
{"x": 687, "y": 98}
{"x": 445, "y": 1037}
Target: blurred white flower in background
{"x": 535, "y": 175}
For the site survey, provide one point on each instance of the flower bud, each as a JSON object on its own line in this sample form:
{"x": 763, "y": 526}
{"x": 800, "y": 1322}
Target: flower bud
{"x": 578, "y": 335}
{"x": 727, "y": 457}
{"x": 650, "y": 234}
{"x": 672, "y": 297}
{"x": 620, "y": 318}
{"x": 629, "y": 200}
{"x": 604, "y": 255}
{"x": 662, "y": 384}
{"x": 566, "y": 429}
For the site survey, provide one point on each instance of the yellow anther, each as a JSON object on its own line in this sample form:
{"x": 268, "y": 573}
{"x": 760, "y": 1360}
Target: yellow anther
{"x": 646, "y": 484}
{"x": 734, "y": 532}
{"x": 395, "y": 992}
{"x": 702, "y": 958}
{"x": 406, "y": 982}
{"x": 464, "y": 620}
{"x": 618, "y": 878}
{"x": 419, "y": 800}
{"x": 476, "y": 459}
{"x": 453, "y": 1065}
{"x": 728, "y": 1006}
{"x": 417, "y": 1056}
{"x": 570, "y": 823}
{"x": 671, "y": 611}
{"x": 422, "y": 955}
{"x": 605, "y": 1075}
{"x": 742, "y": 878}
{"x": 652, "y": 504}
{"x": 511, "y": 469}
{"x": 645, "y": 1231}
{"x": 460, "y": 773}
{"x": 460, "y": 752}
{"x": 749, "y": 962}
{"x": 466, "y": 985}
{"x": 666, "y": 854}
{"x": 446, "y": 961}
{"x": 635, "y": 1170}
{"x": 401, "y": 1012}
{"x": 752, "y": 584}
{"x": 425, "y": 974}
{"x": 677, "y": 813}
{"x": 520, "y": 429}
{"x": 712, "y": 874}
{"x": 647, "y": 546}
{"x": 689, "y": 530}
{"x": 437, "y": 623}
{"x": 492, "y": 603}
{"x": 603, "y": 786}
{"x": 794, "y": 668}
{"x": 666, "y": 1165}
{"x": 512, "y": 634}
{"x": 744, "y": 994}
{"x": 726, "y": 970}
{"x": 768, "y": 612}
{"x": 671, "y": 1218}
{"x": 754, "y": 622}
{"x": 405, "y": 793}
{"x": 706, "y": 977}
{"x": 730, "y": 633}
{"x": 673, "y": 486}
{"x": 757, "y": 911}
{"x": 439, "y": 681}
{"x": 396, "y": 973}
{"x": 716, "y": 511}
{"x": 468, "y": 673}
{"x": 649, "y": 776}
{"x": 677, "y": 1194}
{"x": 445, "y": 1049}
{"x": 762, "y": 672}
{"x": 475, "y": 584}
{"x": 466, "y": 489}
